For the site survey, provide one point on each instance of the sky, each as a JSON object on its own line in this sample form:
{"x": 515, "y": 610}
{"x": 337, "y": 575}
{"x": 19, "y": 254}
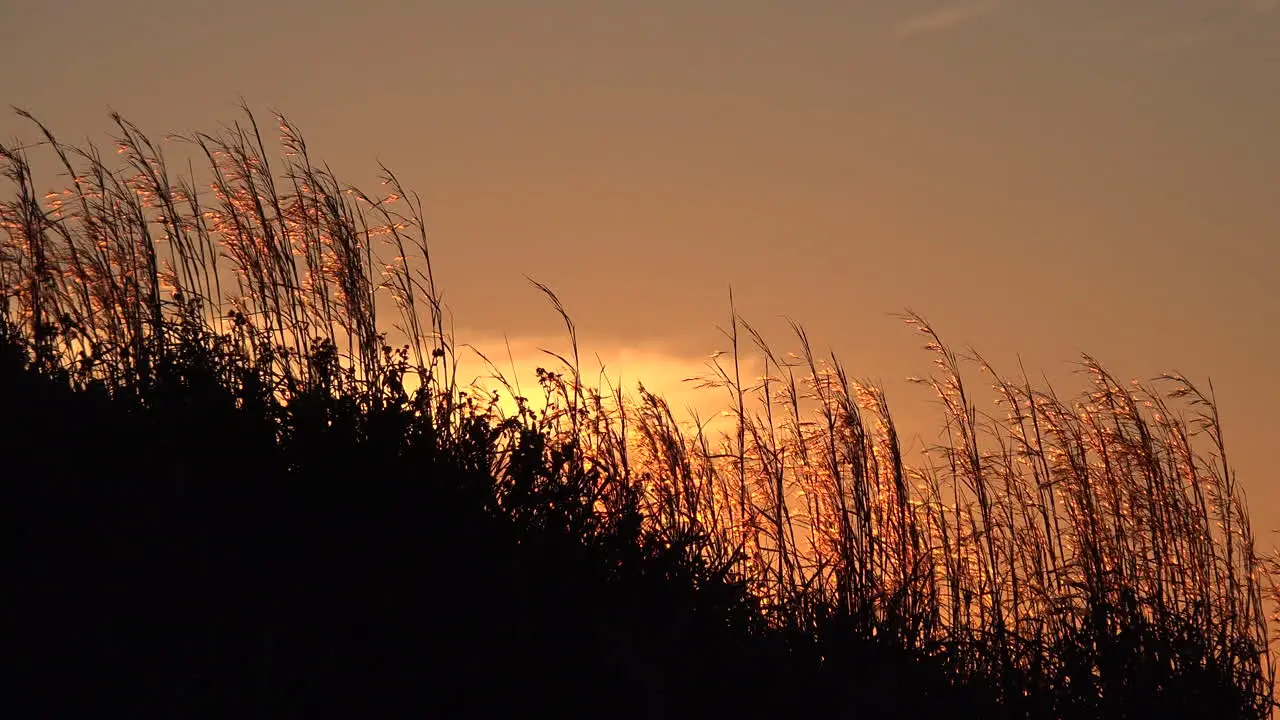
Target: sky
{"x": 1038, "y": 178}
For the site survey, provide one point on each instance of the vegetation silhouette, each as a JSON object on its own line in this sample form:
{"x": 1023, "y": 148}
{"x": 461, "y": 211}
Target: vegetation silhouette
{"x": 234, "y": 495}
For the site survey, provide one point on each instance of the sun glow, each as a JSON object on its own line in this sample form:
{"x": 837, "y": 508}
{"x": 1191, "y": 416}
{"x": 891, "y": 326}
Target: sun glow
{"x": 509, "y": 368}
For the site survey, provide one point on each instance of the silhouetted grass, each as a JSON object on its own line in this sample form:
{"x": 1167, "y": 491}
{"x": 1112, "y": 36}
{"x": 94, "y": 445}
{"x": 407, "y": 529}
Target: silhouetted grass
{"x": 238, "y": 489}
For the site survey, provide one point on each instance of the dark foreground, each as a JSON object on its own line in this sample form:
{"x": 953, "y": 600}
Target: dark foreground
{"x": 177, "y": 559}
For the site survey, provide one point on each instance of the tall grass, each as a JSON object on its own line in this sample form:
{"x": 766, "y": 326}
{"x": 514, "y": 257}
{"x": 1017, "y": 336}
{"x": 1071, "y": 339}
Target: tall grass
{"x": 1087, "y": 556}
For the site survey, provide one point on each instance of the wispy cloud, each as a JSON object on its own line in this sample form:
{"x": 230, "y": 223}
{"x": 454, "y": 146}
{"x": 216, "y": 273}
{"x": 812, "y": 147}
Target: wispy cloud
{"x": 949, "y": 16}
{"x": 1264, "y": 6}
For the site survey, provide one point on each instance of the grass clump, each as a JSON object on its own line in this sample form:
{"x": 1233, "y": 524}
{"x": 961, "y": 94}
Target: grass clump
{"x": 246, "y": 480}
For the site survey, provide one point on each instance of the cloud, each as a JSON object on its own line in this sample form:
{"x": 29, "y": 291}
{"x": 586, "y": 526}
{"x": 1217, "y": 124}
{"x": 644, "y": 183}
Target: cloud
{"x": 952, "y": 15}
{"x": 1264, "y": 6}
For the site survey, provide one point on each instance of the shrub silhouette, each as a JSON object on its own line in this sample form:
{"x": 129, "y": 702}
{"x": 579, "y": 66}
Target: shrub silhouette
{"x": 233, "y": 495}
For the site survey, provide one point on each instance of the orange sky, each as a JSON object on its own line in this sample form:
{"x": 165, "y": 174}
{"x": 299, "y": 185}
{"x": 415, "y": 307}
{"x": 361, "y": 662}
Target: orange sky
{"x": 1041, "y": 177}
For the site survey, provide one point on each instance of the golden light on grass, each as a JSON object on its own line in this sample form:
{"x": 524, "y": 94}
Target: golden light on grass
{"x": 999, "y": 549}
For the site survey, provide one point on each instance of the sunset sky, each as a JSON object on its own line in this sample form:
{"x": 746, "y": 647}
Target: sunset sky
{"x": 1038, "y": 178}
